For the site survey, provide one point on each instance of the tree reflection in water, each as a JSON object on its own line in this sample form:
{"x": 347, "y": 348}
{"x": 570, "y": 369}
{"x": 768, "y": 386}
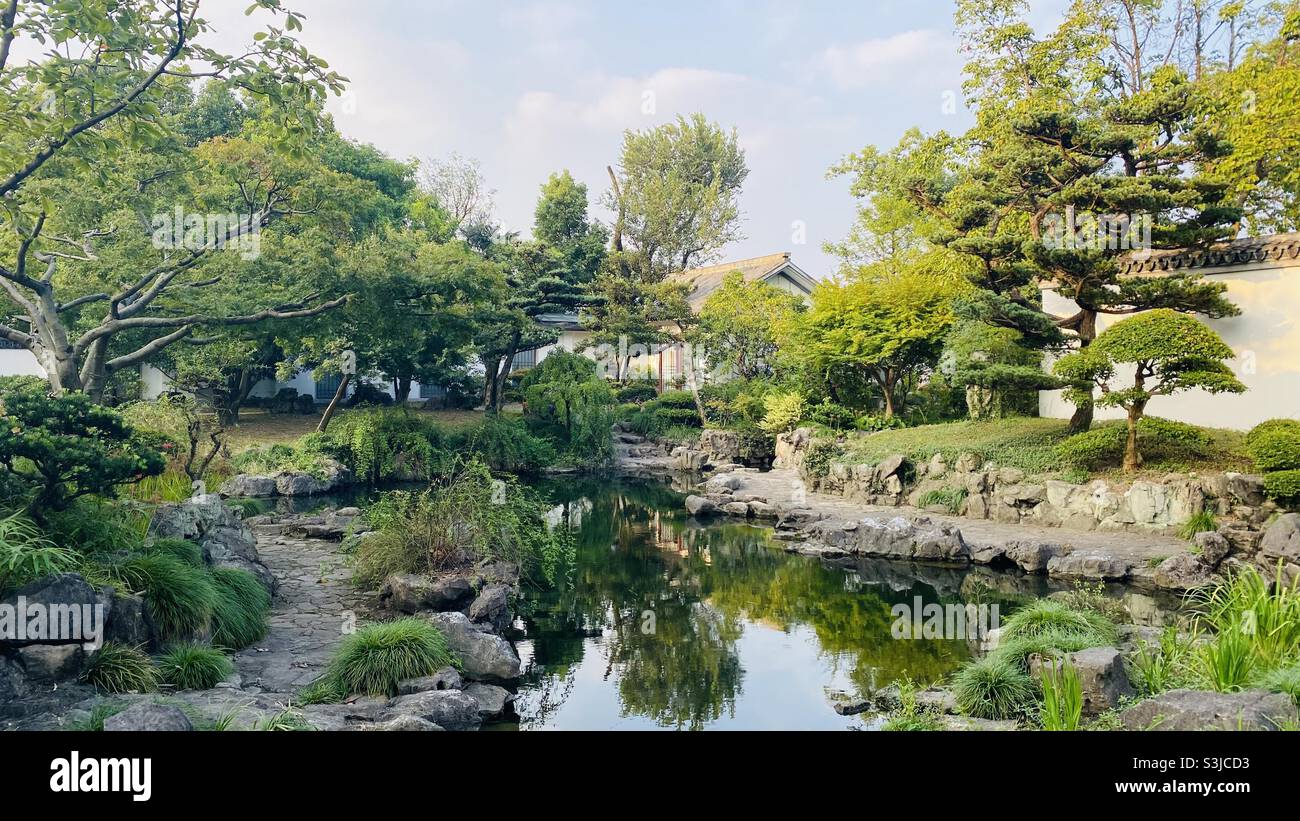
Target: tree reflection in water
{"x": 662, "y": 604}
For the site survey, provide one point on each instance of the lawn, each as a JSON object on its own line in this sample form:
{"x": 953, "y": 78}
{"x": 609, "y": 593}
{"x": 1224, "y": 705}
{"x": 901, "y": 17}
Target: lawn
{"x": 257, "y": 427}
{"x": 1026, "y": 443}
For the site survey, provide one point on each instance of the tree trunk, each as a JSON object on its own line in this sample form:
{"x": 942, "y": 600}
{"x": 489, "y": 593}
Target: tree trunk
{"x": 334, "y": 403}
{"x": 1132, "y": 458}
{"x": 1083, "y": 413}
{"x": 401, "y": 390}
{"x": 499, "y": 389}
{"x": 887, "y": 385}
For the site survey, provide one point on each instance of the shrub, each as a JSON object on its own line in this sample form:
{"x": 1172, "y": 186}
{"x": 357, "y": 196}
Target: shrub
{"x": 26, "y": 554}
{"x": 374, "y": 659}
{"x": 180, "y": 597}
{"x": 1050, "y": 643}
{"x": 1283, "y": 680}
{"x": 819, "y": 456}
{"x": 117, "y": 668}
{"x": 465, "y": 518}
{"x": 1247, "y": 604}
{"x": 1062, "y": 706}
{"x": 505, "y": 444}
{"x": 387, "y": 444}
{"x": 1226, "y": 664}
{"x": 870, "y": 423}
{"x": 96, "y": 527}
{"x": 1275, "y": 445}
{"x": 993, "y": 687}
{"x": 637, "y": 392}
{"x": 180, "y": 549}
{"x": 1161, "y": 440}
{"x": 241, "y": 608}
{"x": 194, "y": 666}
{"x": 56, "y": 449}
{"x": 783, "y": 412}
{"x": 1283, "y": 485}
{"x": 831, "y": 415}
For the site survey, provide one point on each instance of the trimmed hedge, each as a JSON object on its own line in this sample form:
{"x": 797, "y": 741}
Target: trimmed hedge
{"x": 1275, "y": 445}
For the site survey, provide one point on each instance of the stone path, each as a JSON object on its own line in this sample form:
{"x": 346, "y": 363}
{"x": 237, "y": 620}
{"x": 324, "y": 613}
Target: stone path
{"x": 314, "y": 604}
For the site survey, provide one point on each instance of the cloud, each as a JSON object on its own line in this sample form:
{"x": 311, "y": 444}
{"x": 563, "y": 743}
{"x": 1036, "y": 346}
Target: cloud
{"x": 885, "y": 60}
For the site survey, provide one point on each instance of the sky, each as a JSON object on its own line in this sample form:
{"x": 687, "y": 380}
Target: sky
{"x": 530, "y": 88}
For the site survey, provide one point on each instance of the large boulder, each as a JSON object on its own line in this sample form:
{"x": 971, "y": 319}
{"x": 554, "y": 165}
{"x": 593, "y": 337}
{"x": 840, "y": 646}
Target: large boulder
{"x": 1282, "y": 540}
{"x": 448, "y": 678}
{"x": 483, "y": 655}
{"x": 491, "y": 607}
{"x": 1199, "y": 710}
{"x": 1093, "y": 565}
{"x": 52, "y": 663}
{"x": 699, "y": 506}
{"x": 492, "y": 700}
{"x": 411, "y": 592}
{"x": 226, "y": 539}
{"x": 1183, "y": 571}
{"x": 449, "y": 709}
{"x": 129, "y": 620}
{"x": 149, "y": 717}
{"x": 69, "y": 604}
{"x": 1102, "y": 677}
{"x": 896, "y": 538}
{"x": 248, "y": 485}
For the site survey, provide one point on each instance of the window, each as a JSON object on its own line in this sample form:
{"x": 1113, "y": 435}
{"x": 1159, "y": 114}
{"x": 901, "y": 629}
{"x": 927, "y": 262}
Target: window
{"x": 326, "y": 386}
{"x": 523, "y": 360}
{"x": 6, "y": 345}
{"x": 432, "y": 391}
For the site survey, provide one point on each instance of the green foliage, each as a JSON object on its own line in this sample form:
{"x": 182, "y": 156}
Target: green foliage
{"x": 949, "y": 498}
{"x": 1162, "y": 440}
{"x": 1283, "y": 680}
{"x": 181, "y": 598}
{"x": 783, "y": 413}
{"x": 1024, "y": 443}
{"x": 98, "y": 528}
{"x": 181, "y": 549}
{"x": 192, "y": 666}
{"x": 564, "y": 395}
{"x": 831, "y": 415}
{"x": 374, "y": 659}
{"x": 462, "y": 519}
{"x": 738, "y": 326}
{"x": 242, "y": 606}
{"x": 387, "y": 444}
{"x": 1283, "y": 485}
{"x": 998, "y": 366}
{"x": 1275, "y": 445}
{"x": 1062, "y": 706}
{"x": 993, "y": 687}
{"x": 1266, "y": 612}
{"x": 819, "y": 456}
{"x": 117, "y": 668}
{"x": 1092, "y": 598}
{"x": 26, "y": 554}
{"x": 637, "y": 392}
{"x": 288, "y": 720}
{"x": 1202, "y": 522}
{"x": 1162, "y": 665}
{"x": 60, "y": 448}
{"x": 910, "y": 715}
{"x": 870, "y": 423}
{"x": 1226, "y": 664}
{"x": 505, "y": 444}
{"x": 1047, "y": 616}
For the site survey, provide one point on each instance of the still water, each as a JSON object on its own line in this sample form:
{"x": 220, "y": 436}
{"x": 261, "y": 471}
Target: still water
{"x": 665, "y": 623}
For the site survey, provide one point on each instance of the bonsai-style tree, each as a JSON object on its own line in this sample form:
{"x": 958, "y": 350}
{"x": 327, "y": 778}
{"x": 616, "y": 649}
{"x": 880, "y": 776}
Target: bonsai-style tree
{"x": 54, "y": 449}
{"x": 1169, "y": 352}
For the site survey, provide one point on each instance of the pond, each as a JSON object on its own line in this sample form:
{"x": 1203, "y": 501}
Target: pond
{"x": 666, "y": 623}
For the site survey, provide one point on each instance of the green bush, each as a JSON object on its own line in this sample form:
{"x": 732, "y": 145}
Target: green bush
{"x": 831, "y": 415}
{"x": 26, "y": 554}
{"x": 180, "y": 597}
{"x": 374, "y": 659}
{"x": 819, "y": 456}
{"x": 117, "y": 668}
{"x": 993, "y": 687}
{"x": 637, "y": 392}
{"x": 387, "y": 444}
{"x": 1275, "y": 445}
{"x": 241, "y": 608}
{"x": 1049, "y": 617}
{"x": 783, "y": 412}
{"x": 949, "y": 498}
{"x": 870, "y": 423}
{"x": 1283, "y": 485}
{"x": 194, "y": 666}
{"x": 505, "y": 444}
{"x": 1159, "y": 439}
{"x": 281, "y": 458}
{"x": 1161, "y": 665}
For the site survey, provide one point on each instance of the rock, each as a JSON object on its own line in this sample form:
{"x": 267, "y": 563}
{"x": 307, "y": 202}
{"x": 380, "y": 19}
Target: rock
{"x": 851, "y": 707}
{"x": 699, "y": 506}
{"x": 52, "y": 662}
{"x": 250, "y": 486}
{"x": 482, "y": 655}
{"x": 937, "y": 699}
{"x": 13, "y": 684}
{"x": 1032, "y": 557}
{"x": 1010, "y": 476}
{"x": 1102, "y": 677}
{"x": 449, "y": 709}
{"x": 129, "y": 620}
{"x": 226, "y": 539}
{"x": 492, "y": 700}
{"x": 411, "y": 593}
{"x": 1198, "y": 710}
{"x": 1087, "y": 564}
{"x": 937, "y": 466}
{"x": 740, "y": 509}
{"x": 1214, "y": 547}
{"x": 148, "y": 717}
{"x": 350, "y": 512}
{"x": 61, "y": 593}
{"x": 492, "y": 606}
{"x": 403, "y": 724}
{"x": 448, "y": 678}
{"x": 889, "y": 466}
{"x": 969, "y": 724}
{"x": 762, "y": 510}
{"x": 724, "y": 481}
{"x": 1282, "y": 540}
{"x": 300, "y": 484}
{"x": 1183, "y": 571}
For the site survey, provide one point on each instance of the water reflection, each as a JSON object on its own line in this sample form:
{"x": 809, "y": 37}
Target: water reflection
{"x": 665, "y": 623}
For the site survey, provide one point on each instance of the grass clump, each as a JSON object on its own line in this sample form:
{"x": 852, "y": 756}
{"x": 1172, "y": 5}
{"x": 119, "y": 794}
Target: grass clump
{"x": 194, "y": 666}
{"x": 181, "y": 549}
{"x": 1283, "y": 680}
{"x": 242, "y": 606}
{"x": 950, "y": 499}
{"x": 288, "y": 720}
{"x": 910, "y": 716}
{"x": 374, "y": 659}
{"x": 1062, "y": 706}
{"x": 994, "y": 687}
{"x": 181, "y": 597}
{"x": 1162, "y": 665}
{"x": 1050, "y": 617}
{"x": 1203, "y": 522}
{"x": 117, "y": 668}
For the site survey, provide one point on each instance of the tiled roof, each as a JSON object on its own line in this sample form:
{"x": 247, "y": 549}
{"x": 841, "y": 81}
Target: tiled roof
{"x": 707, "y": 279}
{"x": 1235, "y": 252}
